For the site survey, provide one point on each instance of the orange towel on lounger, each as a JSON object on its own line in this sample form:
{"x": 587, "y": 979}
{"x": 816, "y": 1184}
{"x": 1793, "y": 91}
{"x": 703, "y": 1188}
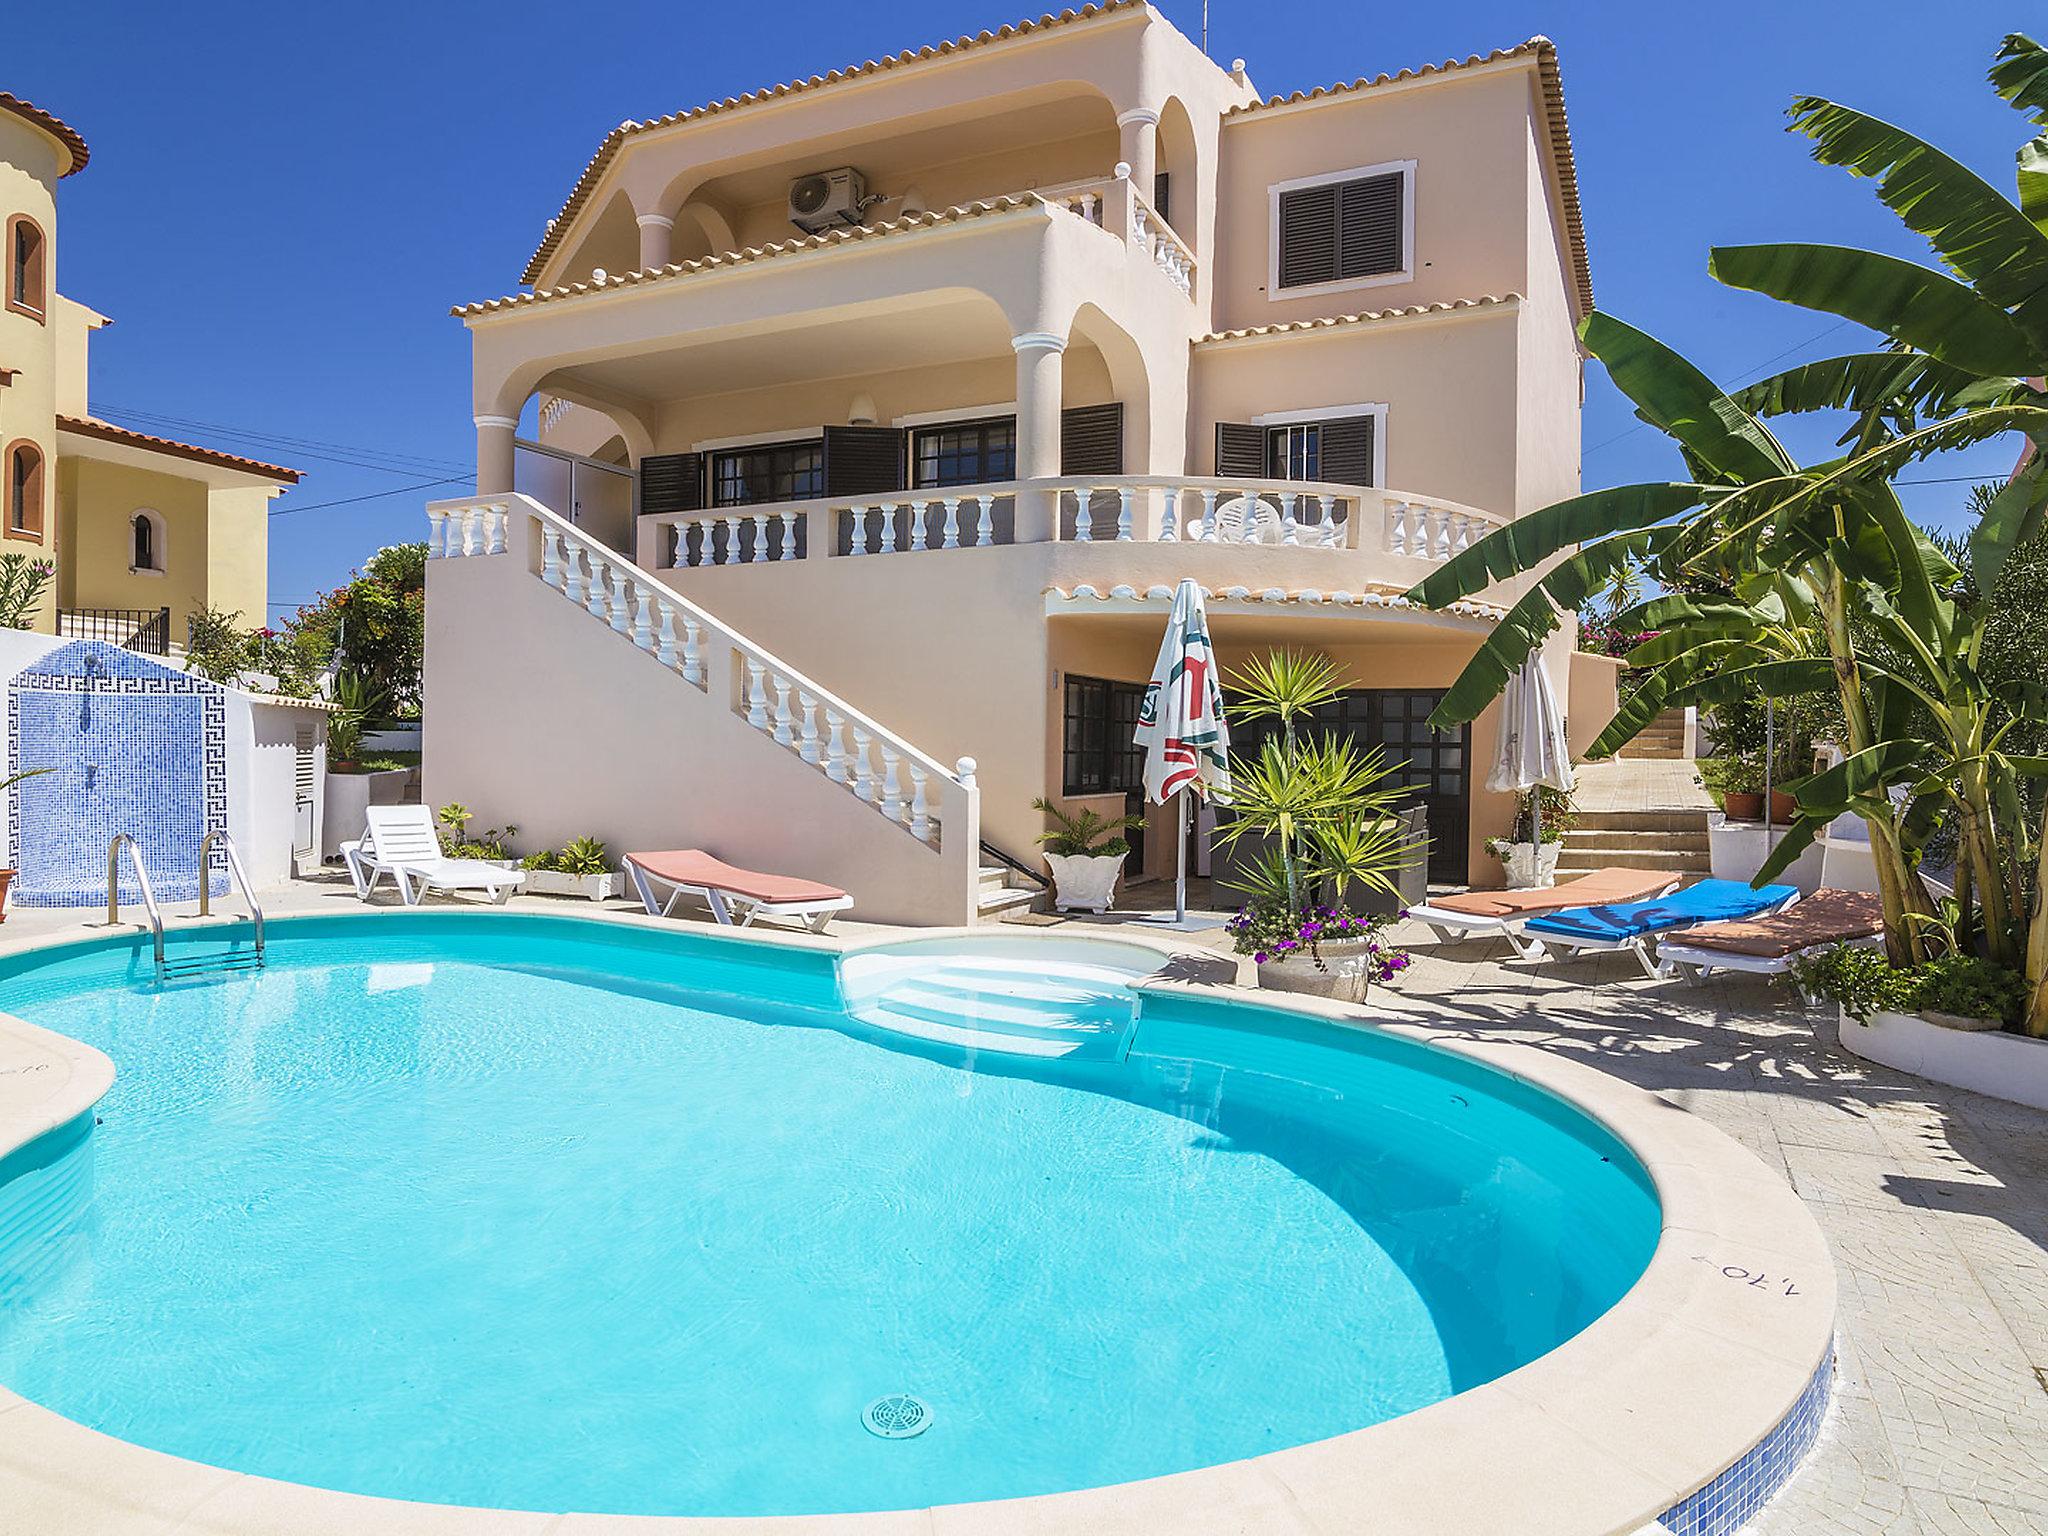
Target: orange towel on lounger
{"x": 693, "y": 866}
{"x": 1601, "y": 888}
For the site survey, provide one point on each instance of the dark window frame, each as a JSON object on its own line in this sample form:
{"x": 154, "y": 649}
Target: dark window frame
{"x": 28, "y": 269}
{"x": 804, "y": 482}
{"x": 985, "y": 431}
{"x": 23, "y": 489}
{"x": 1098, "y": 755}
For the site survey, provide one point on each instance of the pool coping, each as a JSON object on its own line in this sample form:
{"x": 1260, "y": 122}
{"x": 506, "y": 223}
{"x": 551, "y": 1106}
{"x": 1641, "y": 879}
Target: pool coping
{"x": 1700, "y": 1362}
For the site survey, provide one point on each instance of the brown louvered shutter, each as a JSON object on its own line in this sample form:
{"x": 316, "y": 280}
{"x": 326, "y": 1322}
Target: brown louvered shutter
{"x": 1369, "y": 226}
{"x": 1162, "y": 190}
{"x": 672, "y": 482}
{"x": 1092, "y": 439}
{"x": 1347, "y": 450}
{"x": 1308, "y": 236}
{"x": 1240, "y": 449}
{"x": 860, "y": 461}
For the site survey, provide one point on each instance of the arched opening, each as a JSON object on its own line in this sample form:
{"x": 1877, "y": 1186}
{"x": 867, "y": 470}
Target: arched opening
{"x": 28, "y": 268}
{"x": 24, "y": 490}
{"x": 1177, "y": 190}
{"x": 1098, "y": 346}
{"x": 612, "y": 246}
{"x": 146, "y": 542}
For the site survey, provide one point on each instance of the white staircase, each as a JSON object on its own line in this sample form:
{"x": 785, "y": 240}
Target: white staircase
{"x": 544, "y": 716}
{"x": 1001, "y": 1002}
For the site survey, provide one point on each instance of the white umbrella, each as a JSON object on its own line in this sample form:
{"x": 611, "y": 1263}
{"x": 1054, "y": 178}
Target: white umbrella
{"x": 1533, "y": 750}
{"x": 1180, "y": 724}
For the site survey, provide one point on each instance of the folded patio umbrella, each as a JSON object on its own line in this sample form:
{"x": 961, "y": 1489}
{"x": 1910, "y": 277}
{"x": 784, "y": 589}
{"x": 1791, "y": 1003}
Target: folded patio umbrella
{"x": 1532, "y": 749}
{"x": 1180, "y": 723}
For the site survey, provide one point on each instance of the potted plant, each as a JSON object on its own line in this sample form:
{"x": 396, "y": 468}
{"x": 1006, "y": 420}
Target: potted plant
{"x": 1527, "y": 862}
{"x": 488, "y": 845}
{"x": 581, "y": 867}
{"x": 1086, "y": 854}
{"x": 1737, "y": 781}
{"x": 355, "y": 700}
{"x": 7, "y": 875}
{"x": 1325, "y": 817}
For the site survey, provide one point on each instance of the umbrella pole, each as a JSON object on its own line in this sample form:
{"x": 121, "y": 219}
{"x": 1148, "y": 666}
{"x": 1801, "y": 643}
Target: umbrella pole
{"x": 1536, "y": 833}
{"x": 1180, "y": 878}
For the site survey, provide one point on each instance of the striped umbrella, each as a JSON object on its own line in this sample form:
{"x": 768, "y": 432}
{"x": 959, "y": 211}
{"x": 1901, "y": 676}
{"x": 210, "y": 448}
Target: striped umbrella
{"x": 1180, "y": 724}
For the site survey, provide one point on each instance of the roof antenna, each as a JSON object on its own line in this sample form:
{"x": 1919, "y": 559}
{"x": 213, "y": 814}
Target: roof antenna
{"x": 1205, "y": 26}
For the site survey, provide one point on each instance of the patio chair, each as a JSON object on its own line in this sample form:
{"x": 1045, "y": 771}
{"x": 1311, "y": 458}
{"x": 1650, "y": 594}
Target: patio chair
{"x": 726, "y": 888}
{"x": 400, "y": 841}
{"x": 1504, "y": 914}
{"x": 1767, "y": 946}
{"x": 1634, "y": 927}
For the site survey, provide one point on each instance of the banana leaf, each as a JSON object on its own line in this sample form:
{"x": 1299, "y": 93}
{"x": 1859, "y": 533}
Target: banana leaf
{"x": 1797, "y": 839}
{"x": 1895, "y": 384}
{"x": 1681, "y": 401}
{"x": 2013, "y": 518}
{"x": 2020, "y": 75}
{"x": 1528, "y": 541}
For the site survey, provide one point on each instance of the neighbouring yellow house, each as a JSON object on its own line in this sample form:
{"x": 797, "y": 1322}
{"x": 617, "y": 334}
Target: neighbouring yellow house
{"x": 871, "y": 419}
{"x": 144, "y": 531}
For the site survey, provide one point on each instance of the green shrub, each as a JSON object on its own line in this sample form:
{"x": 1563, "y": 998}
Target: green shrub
{"x": 1971, "y": 988}
{"x": 1864, "y": 982}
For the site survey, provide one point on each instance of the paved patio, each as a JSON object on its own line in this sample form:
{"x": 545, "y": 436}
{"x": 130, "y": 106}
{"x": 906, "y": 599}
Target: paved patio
{"x": 1934, "y": 1201}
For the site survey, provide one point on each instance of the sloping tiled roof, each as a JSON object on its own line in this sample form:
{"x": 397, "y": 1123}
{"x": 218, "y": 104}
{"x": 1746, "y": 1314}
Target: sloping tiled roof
{"x": 1333, "y": 322}
{"x": 754, "y": 253}
{"x": 90, "y": 426}
{"x": 1544, "y": 51}
{"x": 601, "y": 161}
{"x": 54, "y": 126}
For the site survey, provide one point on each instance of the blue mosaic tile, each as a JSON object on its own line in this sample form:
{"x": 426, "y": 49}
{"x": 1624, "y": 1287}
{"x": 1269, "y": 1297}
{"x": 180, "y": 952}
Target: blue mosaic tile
{"x": 136, "y": 747}
{"x": 1727, "y": 1503}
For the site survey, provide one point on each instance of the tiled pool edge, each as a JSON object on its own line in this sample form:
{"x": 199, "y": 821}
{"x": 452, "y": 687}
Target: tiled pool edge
{"x": 1734, "y": 1498}
{"x": 1687, "y": 1359}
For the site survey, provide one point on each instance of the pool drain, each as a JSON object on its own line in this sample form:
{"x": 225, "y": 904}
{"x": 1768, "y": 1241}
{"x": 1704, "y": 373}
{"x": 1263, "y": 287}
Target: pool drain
{"x": 896, "y": 1417}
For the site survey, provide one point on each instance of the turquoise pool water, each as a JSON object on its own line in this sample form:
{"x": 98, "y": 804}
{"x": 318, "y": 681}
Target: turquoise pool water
{"x": 541, "y": 1213}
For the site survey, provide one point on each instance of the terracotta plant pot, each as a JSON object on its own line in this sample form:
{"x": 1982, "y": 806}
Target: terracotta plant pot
{"x": 1743, "y": 807}
{"x": 1784, "y": 807}
{"x": 6, "y": 879}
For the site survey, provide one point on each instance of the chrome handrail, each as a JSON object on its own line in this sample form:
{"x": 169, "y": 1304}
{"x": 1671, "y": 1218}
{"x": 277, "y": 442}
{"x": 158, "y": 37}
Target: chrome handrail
{"x": 218, "y": 838}
{"x": 156, "y": 916}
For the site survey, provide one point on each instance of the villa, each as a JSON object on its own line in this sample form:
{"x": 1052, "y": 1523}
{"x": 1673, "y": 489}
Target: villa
{"x": 144, "y": 531}
{"x": 879, "y": 413}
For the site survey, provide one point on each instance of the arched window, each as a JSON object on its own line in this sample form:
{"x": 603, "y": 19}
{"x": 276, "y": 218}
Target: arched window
{"x": 28, "y": 284}
{"x": 146, "y": 542}
{"x": 24, "y": 490}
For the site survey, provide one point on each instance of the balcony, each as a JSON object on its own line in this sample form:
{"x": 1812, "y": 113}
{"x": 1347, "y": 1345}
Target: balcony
{"x": 1341, "y": 542}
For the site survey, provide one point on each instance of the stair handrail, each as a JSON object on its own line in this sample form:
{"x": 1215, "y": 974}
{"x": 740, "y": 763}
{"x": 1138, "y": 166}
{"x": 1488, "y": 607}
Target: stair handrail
{"x": 156, "y": 917}
{"x": 548, "y": 519}
{"x": 1015, "y": 865}
{"x": 219, "y": 838}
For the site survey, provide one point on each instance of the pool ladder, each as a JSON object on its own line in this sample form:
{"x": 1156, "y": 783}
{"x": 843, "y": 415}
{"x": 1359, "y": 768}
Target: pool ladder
{"x": 167, "y": 970}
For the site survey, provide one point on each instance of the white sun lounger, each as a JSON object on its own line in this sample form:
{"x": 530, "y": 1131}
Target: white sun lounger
{"x": 724, "y": 887}
{"x": 1503, "y": 914}
{"x": 1768, "y": 946}
{"x": 1638, "y": 927}
{"x": 400, "y": 841}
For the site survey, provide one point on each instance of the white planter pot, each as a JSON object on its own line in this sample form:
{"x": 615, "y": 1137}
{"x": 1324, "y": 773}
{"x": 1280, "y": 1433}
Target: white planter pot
{"x": 1083, "y": 884}
{"x": 1736, "y": 850}
{"x": 1528, "y": 866}
{"x": 1990, "y": 1061}
{"x": 552, "y": 882}
{"x": 1341, "y": 976}
{"x": 348, "y": 797}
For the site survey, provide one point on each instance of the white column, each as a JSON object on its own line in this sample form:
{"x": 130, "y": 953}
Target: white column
{"x": 1039, "y": 379}
{"x": 1138, "y": 146}
{"x": 657, "y": 236}
{"x": 494, "y": 454}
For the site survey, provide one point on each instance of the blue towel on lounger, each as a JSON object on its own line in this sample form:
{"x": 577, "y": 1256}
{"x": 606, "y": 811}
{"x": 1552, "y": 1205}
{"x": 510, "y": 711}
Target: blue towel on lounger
{"x": 1709, "y": 901}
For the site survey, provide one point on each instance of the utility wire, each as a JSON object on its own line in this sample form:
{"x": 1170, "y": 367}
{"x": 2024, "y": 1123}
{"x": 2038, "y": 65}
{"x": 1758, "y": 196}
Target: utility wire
{"x": 341, "y": 453}
{"x": 349, "y": 501}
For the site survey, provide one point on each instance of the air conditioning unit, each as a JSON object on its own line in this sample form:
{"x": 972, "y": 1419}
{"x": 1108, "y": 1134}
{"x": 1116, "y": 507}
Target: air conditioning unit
{"x": 826, "y": 198}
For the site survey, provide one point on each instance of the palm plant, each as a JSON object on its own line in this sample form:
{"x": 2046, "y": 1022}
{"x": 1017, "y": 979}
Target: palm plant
{"x": 1085, "y": 834}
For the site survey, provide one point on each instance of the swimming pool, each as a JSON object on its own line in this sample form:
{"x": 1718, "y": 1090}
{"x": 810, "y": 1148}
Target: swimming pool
{"x": 543, "y": 1213}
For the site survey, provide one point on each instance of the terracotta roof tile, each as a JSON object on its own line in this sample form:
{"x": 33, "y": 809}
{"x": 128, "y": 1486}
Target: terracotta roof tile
{"x": 754, "y": 253}
{"x": 1365, "y": 317}
{"x": 90, "y": 426}
{"x": 601, "y": 161}
{"x": 54, "y": 126}
{"x": 1544, "y": 52}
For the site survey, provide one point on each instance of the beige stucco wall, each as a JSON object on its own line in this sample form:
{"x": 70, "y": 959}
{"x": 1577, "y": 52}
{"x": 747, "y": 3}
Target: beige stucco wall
{"x": 1594, "y": 696}
{"x": 28, "y": 181}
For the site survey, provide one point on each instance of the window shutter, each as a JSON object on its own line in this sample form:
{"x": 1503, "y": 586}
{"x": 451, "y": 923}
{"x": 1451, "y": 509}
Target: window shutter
{"x": 862, "y": 460}
{"x": 1162, "y": 188}
{"x": 1308, "y": 236}
{"x": 1347, "y": 450}
{"x": 1240, "y": 450}
{"x": 1369, "y": 226}
{"x": 1092, "y": 439}
{"x": 672, "y": 482}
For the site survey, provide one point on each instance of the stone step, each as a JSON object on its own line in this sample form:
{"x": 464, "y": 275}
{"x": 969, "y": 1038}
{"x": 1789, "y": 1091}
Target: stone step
{"x": 1003, "y": 900}
{"x": 1580, "y": 860}
{"x": 1674, "y": 840}
{"x": 1635, "y": 750}
{"x": 1642, "y": 821}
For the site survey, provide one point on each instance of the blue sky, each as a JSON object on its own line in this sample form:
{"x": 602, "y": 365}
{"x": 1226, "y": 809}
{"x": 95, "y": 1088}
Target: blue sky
{"x": 284, "y": 200}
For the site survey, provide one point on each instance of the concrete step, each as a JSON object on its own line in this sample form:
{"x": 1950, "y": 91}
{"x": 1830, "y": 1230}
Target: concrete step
{"x": 1002, "y": 900}
{"x": 1642, "y": 750}
{"x": 1640, "y": 821}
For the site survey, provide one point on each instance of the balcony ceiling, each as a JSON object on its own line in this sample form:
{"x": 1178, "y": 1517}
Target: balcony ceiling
{"x": 889, "y": 163}
{"x": 946, "y": 331}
